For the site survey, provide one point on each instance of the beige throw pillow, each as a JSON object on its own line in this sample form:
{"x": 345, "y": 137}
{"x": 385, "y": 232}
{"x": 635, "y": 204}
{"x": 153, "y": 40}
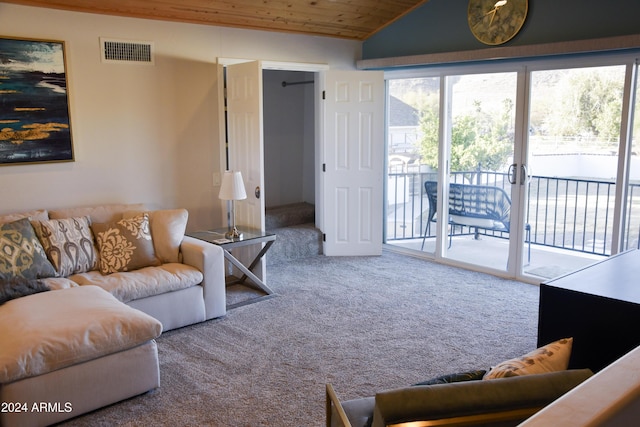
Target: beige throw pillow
{"x": 550, "y": 358}
{"x": 167, "y": 230}
{"x": 125, "y": 245}
{"x": 69, "y": 244}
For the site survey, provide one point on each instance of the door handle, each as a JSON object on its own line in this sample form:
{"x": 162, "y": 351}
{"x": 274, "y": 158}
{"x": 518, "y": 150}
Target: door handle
{"x": 524, "y": 174}
{"x": 257, "y": 192}
{"x": 512, "y": 173}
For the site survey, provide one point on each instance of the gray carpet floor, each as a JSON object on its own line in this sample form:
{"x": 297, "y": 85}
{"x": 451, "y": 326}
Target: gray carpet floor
{"x": 361, "y": 323}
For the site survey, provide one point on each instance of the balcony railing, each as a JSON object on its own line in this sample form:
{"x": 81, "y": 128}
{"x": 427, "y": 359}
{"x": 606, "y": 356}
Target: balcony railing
{"x": 566, "y": 213}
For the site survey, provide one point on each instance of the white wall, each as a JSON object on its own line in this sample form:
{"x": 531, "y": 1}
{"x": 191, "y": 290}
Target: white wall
{"x": 144, "y": 133}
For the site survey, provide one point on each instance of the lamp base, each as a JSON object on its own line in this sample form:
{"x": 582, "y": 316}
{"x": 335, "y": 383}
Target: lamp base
{"x": 233, "y": 234}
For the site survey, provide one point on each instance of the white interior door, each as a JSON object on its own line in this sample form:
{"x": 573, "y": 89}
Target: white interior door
{"x": 246, "y": 149}
{"x": 351, "y": 152}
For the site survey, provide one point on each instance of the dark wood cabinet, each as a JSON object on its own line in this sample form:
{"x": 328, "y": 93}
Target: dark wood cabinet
{"x": 599, "y": 306}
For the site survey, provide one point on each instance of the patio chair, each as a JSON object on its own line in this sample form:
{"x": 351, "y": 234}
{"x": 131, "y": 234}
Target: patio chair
{"x": 475, "y": 206}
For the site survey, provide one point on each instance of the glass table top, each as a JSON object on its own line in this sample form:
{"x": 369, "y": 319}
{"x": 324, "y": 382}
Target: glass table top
{"x": 217, "y": 236}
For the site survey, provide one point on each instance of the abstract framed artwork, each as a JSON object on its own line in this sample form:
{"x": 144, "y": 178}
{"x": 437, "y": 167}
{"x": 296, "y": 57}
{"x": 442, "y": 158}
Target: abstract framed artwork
{"x": 35, "y": 125}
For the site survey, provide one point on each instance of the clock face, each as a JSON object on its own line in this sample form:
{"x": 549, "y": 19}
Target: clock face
{"x": 495, "y": 22}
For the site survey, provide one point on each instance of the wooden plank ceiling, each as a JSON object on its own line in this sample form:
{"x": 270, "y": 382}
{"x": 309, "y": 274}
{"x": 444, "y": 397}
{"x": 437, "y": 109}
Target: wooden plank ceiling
{"x": 349, "y": 19}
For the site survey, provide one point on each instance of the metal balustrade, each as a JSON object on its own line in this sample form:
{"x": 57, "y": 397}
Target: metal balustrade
{"x": 566, "y": 213}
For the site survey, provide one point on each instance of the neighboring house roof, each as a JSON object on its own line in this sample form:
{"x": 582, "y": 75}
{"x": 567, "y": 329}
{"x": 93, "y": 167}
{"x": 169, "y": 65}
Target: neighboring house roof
{"x": 402, "y": 114}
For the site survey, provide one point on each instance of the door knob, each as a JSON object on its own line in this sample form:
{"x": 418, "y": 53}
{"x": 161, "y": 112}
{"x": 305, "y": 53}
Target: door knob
{"x": 257, "y": 192}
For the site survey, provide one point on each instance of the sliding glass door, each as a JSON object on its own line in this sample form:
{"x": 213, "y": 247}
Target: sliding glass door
{"x": 631, "y": 218}
{"x": 554, "y": 141}
{"x": 479, "y": 137}
{"x": 451, "y": 143}
{"x": 575, "y": 116}
{"x": 412, "y": 159}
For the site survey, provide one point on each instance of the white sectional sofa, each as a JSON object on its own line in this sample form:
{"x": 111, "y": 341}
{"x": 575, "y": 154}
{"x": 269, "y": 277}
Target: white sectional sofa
{"x": 114, "y": 277}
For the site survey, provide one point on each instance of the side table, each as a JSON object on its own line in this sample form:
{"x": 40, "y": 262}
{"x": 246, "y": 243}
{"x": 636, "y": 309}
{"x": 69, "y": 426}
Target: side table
{"x": 249, "y": 237}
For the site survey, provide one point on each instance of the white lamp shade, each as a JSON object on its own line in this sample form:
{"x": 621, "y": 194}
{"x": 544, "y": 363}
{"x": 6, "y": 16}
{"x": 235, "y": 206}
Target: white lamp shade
{"x": 232, "y": 187}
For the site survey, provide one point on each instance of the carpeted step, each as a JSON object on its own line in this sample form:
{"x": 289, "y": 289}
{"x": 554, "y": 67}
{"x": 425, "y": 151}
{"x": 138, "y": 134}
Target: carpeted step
{"x": 295, "y": 242}
{"x": 286, "y": 215}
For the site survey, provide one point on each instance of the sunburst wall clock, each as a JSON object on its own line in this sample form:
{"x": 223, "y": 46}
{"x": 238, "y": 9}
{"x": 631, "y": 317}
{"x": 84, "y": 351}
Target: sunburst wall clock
{"x": 496, "y": 22}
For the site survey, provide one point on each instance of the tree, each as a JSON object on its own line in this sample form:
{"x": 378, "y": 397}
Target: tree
{"x": 584, "y": 102}
{"x": 599, "y": 103}
{"x": 478, "y": 140}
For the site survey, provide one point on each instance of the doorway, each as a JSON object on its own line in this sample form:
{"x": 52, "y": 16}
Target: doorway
{"x": 348, "y": 141}
{"x": 289, "y": 164}
{"x": 289, "y": 137}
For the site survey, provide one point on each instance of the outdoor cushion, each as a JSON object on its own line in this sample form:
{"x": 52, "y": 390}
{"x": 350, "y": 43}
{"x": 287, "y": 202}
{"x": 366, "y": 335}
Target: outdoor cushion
{"x": 67, "y": 327}
{"x": 145, "y": 282}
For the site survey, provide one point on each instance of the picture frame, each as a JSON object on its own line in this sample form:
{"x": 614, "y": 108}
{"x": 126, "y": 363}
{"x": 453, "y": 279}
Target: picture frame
{"x": 35, "y": 123}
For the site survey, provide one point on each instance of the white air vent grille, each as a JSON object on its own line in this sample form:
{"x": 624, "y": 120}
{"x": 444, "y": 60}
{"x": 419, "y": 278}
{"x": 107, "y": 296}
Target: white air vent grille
{"x": 126, "y": 51}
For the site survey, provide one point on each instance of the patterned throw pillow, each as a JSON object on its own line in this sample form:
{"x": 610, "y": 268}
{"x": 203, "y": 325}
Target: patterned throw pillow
{"x": 550, "y": 358}
{"x": 21, "y": 254}
{"x": 455, "y": 378}
{"x": 68, "y": 244}
{"x": 167, "y": 230}
{"x": 125, "y": 245}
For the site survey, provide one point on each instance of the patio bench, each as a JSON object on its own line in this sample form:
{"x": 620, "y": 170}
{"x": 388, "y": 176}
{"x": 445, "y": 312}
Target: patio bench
{"x": 484, "y": 207}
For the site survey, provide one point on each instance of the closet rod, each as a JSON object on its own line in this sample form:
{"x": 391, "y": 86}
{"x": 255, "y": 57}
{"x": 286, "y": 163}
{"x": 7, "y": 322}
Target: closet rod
{"x": 285, "y": 84}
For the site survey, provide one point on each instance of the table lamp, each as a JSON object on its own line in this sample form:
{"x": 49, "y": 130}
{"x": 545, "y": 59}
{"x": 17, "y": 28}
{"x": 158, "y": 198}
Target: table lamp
{"x": 232, "y": 188}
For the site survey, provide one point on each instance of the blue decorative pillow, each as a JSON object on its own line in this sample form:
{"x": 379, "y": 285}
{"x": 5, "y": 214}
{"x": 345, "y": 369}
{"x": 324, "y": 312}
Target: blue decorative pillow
{"x": 455, "y": 378}
{"x": 21, "y": 254}
{"x": 18, "y": 287}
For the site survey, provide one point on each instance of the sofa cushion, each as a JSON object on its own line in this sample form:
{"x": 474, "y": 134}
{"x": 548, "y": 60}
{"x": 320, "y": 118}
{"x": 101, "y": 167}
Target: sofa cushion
{"x": 21, "y": 253}
{"x": 55, "y": 283}
{"x": 35, "y": 215}
{"x": 549, "y": 358}
{"x": 18, "y": 287}
{"x": 167, "y": 230}
{"x": 67, "y": 327}
{"x": 69, "y": 244}
{"x": 100, "y": 213}
{"x": 125, "y": 245}
{"x": 144, "y": 282}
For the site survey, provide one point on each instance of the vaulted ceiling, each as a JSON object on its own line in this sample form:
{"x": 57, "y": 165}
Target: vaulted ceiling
{"x": 349, "y": 19}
